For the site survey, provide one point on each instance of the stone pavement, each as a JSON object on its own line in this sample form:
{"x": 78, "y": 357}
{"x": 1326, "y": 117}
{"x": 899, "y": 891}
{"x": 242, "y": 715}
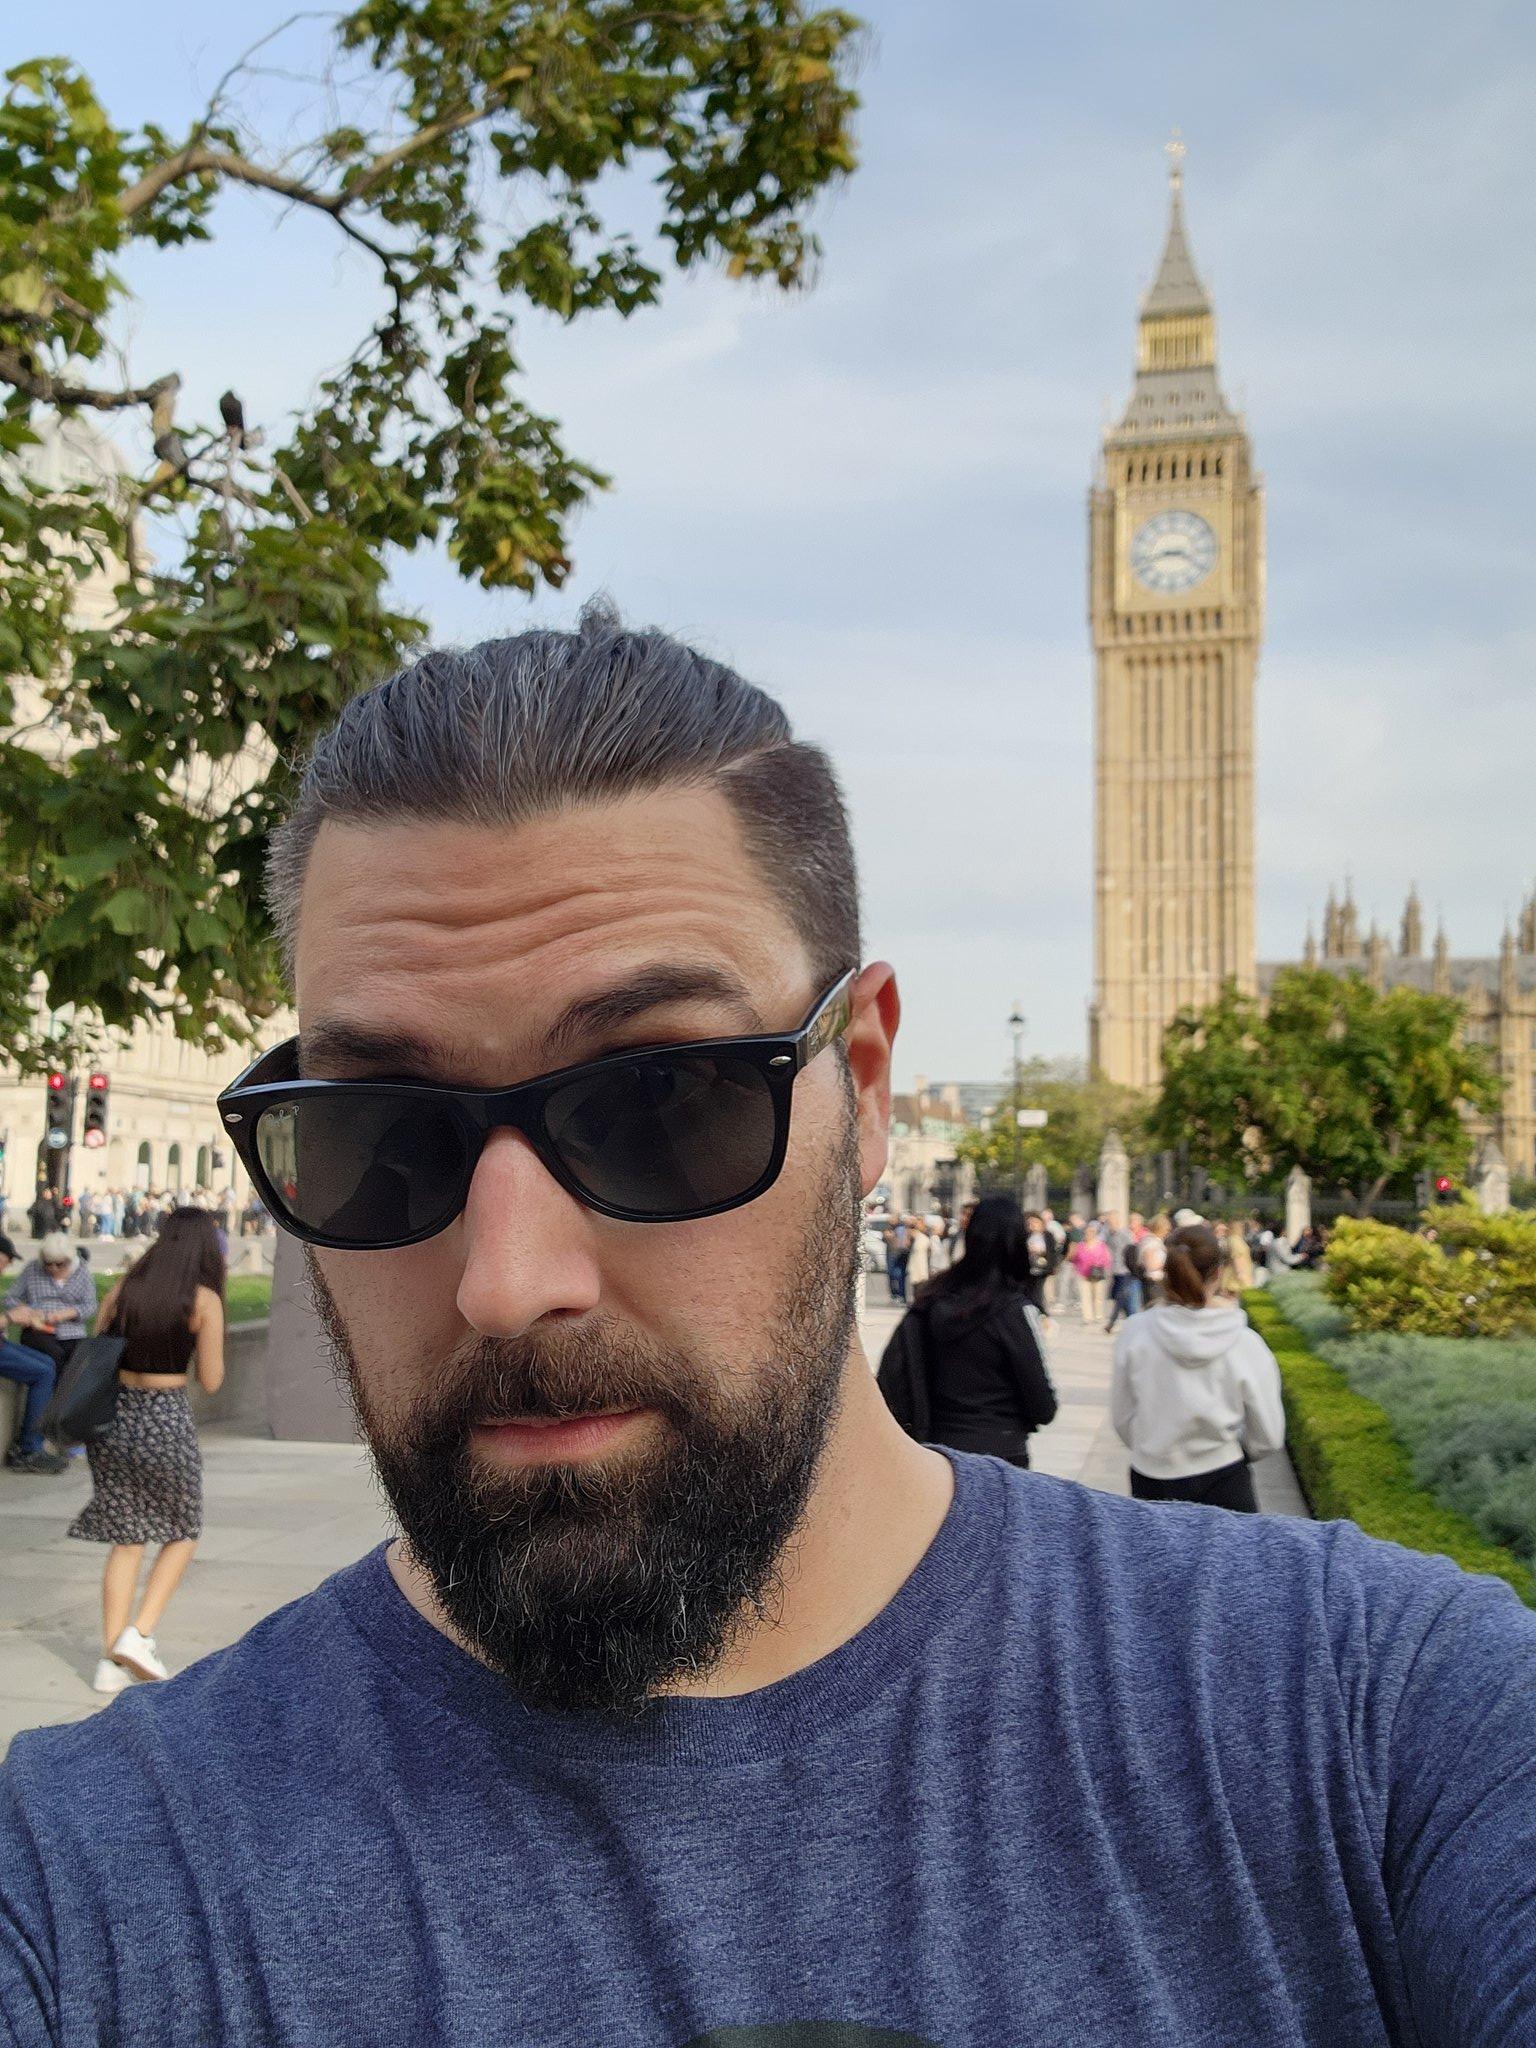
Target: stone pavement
{"x": 280, "y": 1517}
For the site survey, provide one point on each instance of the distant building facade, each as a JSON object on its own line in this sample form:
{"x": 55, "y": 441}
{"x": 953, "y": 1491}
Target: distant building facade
{"x": 922, "y": 1173}
{"x": 1498, "y": 994}
{"x": 1176, "y": 595}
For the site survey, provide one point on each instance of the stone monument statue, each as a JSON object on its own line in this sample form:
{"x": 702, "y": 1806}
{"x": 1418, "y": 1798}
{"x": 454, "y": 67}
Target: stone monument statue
{"x": 1490, "y": 1179}
{"x": 1114, "y": 1176}
{"x": 1298, "y": 1204}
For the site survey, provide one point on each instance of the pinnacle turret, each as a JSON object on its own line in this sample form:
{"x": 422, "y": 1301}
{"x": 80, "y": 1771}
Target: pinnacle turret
{"x": 1411, "y": 940}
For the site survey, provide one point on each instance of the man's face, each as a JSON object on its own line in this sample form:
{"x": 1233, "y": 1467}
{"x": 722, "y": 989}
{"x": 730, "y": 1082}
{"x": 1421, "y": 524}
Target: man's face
{"x": 591, "y": 1575}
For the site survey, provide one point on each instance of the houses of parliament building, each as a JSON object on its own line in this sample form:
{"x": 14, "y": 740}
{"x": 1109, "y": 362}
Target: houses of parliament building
{"x": 1176, "y": 609}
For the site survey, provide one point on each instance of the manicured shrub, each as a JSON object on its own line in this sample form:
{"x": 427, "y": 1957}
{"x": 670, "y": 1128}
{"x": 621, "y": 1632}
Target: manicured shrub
{"x": 1478, "y": 1279}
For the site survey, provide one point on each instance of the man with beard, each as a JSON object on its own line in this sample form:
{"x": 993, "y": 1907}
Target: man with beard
{"x": 695, "y": 1701}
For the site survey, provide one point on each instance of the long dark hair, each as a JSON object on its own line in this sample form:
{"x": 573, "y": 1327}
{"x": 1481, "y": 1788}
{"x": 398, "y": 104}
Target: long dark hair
{"x": 1194, "y": 1260}
{"x": 996, "y": 1253}
{"x": 156, "y": 1298}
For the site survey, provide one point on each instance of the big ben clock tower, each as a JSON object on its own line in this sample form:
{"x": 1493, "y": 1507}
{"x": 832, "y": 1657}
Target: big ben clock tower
{"x": 1176, "y": 596}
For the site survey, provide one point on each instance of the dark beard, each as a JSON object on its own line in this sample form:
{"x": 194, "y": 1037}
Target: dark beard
{"x": 590, "y": 1587}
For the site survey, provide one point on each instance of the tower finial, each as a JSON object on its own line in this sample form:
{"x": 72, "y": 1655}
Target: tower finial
{"x": 1175, "y": 152}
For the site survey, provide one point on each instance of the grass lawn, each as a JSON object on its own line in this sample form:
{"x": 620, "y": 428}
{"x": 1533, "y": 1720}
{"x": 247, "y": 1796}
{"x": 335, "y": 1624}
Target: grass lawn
{"x": 247, "y": 1296}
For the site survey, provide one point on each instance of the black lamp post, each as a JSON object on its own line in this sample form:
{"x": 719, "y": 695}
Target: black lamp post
{"x": 1016, "y": 1026}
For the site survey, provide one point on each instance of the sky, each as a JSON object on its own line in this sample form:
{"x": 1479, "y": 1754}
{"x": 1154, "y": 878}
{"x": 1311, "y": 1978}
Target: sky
{"x": 871, "y": 498}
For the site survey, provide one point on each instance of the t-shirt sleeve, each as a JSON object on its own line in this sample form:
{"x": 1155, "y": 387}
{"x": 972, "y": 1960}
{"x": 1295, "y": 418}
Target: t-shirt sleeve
{"x": 28, "y": 2005}
{"x": 1456, "y": 1769}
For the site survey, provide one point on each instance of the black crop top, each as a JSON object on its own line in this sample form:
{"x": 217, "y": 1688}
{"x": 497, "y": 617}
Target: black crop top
{"x": 163, "y": 1351}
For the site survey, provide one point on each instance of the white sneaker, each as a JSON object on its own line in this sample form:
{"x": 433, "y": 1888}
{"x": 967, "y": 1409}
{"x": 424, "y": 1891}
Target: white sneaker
{"x": 136, "y": 1653}
{"x": 110, "y": 1677}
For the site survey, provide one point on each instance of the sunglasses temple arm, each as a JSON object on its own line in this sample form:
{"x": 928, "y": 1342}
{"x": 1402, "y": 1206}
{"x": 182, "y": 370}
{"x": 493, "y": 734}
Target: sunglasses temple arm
{"x": 830, "y": 1021}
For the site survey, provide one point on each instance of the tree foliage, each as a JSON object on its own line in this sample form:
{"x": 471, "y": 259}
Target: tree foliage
{"x": 1359, "y": 1087}
{"x": 131, "y": 865}
{"x": 1081, "y": 1111}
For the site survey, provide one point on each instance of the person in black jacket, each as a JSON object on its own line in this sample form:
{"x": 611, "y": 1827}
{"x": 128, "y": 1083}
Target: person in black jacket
{"x": 966, "y": 1367}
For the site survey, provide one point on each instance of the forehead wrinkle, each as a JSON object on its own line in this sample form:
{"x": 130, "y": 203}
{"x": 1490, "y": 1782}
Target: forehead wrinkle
{"x": 568, "y": 911}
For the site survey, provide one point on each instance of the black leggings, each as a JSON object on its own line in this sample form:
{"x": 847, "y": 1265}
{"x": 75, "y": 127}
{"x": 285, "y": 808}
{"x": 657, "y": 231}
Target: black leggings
{"x": 1229, "y": 1487}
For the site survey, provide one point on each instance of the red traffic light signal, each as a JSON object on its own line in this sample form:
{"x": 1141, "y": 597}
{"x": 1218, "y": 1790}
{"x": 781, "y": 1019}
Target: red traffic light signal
{"x": 1442, "y": 1183}
{"x": 96, "y": 1109}
{"x": 61, "y": 1109}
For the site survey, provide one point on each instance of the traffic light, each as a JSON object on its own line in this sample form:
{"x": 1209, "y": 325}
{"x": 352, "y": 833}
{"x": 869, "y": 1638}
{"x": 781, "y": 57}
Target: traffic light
{"x": 61, "y": 1106}
{"x": 96, "y": 1109}
{"x": 1445, "y": 1188}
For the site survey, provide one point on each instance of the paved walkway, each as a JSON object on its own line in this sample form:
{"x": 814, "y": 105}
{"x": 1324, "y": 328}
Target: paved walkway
{"x": 280, "y": 1517}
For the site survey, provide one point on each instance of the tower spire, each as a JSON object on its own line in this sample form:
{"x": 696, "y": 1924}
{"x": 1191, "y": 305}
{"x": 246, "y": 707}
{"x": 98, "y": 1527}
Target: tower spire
{"x": 1176, "y": 336}
{"x": 1177, "y": 288}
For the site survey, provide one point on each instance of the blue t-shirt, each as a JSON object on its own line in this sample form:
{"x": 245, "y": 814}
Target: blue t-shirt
{"x": 1101, "y": 1773}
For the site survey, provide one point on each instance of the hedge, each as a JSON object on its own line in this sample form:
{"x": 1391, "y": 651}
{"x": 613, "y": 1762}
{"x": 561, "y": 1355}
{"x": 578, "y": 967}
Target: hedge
{"x": 1351, "y": 1465}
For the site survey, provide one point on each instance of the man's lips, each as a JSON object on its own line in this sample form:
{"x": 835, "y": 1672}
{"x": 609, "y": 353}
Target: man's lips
{"x": 534, "y": 1439}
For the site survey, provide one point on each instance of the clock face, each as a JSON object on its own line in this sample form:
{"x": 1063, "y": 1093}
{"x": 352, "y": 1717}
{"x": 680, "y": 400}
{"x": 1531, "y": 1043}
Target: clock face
{"x": 1173, "y": 551}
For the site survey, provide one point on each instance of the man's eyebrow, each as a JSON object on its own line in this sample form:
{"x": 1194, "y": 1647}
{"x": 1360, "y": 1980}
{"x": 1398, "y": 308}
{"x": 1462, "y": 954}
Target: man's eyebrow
{"x": 648, "y": 990}
{"x": 336, "y": 1042}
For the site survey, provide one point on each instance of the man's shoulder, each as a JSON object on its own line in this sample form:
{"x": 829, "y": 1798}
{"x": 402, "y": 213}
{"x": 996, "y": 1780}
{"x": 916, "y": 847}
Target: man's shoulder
{"x": 1204, "y": 1582}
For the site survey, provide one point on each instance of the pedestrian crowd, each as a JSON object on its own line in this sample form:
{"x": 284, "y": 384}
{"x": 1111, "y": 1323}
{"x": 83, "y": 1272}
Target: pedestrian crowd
{"x": 140, "y": 1212}
{"x": 1195, "y": 1394}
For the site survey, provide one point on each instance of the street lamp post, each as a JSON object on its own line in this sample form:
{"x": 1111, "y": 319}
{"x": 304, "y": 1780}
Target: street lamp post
{"x": 1016, "y": 1026}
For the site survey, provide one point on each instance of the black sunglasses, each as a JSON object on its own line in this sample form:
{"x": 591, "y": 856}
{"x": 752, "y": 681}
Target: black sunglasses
{"x": 659, "y": 1136}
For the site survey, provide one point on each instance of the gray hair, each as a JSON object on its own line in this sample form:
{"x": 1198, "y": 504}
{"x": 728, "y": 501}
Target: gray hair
{"x": 55, "y": 1248}
{"x": 514, "y": 729}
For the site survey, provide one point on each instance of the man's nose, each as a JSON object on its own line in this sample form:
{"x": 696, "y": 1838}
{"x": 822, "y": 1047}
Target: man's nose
{"x": 529, "y": 1247}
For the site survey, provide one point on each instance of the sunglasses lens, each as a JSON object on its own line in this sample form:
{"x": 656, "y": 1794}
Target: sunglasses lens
{"x": 364, "y": 1169}
{"x": 666, "y": 1137}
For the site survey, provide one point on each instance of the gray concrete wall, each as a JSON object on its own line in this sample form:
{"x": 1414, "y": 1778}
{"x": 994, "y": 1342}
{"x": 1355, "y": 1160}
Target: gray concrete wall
{"x": 239, "y": 1408}
{"x": 304, "y": 1403}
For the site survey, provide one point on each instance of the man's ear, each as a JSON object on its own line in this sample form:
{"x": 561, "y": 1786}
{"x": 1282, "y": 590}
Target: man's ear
{"x": 869, "y": 1040}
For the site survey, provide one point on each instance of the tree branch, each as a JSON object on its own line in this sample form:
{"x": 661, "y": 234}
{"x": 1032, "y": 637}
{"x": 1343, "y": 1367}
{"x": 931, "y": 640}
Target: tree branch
{"x": 434, "y": 131}
{"x": 36, "y": 383}
{"x": 195, "y": 160}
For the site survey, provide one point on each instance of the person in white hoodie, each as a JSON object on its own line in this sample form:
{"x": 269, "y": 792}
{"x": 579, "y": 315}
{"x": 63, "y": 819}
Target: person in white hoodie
{"x": 1195, "y": 1391}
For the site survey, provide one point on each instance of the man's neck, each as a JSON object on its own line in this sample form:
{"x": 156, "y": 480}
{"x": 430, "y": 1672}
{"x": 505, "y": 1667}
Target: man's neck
{"x": 877, "y": 1504}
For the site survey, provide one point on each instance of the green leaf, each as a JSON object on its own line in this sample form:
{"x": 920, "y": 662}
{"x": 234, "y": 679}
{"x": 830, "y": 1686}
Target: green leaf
{"x": 129, "y": 912}
{"x": 85, "y": 868}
